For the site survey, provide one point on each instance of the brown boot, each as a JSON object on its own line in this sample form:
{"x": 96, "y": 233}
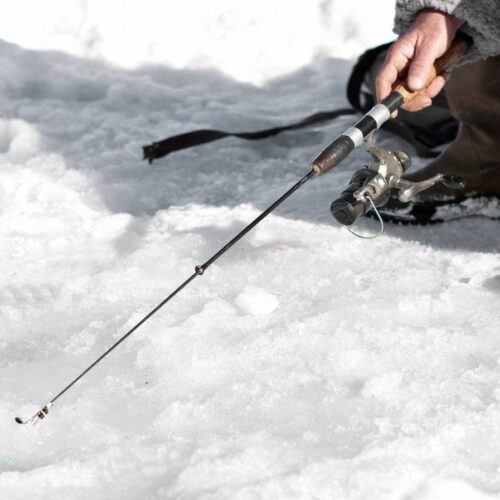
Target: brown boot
{"x": 473, "y": 93}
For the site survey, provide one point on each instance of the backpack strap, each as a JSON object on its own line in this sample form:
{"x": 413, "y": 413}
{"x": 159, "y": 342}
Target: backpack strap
{"x": 197, "y": 137}
{"x": 355, "y": 92}
{"x": 423, "y": 131}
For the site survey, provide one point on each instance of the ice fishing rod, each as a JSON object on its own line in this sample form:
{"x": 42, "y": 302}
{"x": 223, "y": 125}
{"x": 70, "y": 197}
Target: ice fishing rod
{"x": 329, "y": 158}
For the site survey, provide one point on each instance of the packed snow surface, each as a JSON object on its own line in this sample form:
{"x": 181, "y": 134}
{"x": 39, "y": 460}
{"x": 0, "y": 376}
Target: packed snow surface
{"x": 249, "y": 41}
{"x": 305, "y": 363}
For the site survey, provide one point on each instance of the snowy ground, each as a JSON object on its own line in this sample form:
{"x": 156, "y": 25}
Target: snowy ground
{"x": 305, "y": 364}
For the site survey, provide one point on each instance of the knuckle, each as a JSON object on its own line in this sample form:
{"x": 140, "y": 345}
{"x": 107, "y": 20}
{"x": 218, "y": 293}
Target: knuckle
{"x": 407, "y": 48}
{"x": 420, "y": 66}
{"x": 393, "y": 49}
{"x": 382, "y": 82}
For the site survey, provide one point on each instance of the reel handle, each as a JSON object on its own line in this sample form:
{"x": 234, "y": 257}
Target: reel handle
{"x": 453, "y": 181}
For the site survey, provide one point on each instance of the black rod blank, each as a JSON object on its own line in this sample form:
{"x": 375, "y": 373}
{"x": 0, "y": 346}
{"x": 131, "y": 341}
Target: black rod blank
{"x": 199, "y": 270}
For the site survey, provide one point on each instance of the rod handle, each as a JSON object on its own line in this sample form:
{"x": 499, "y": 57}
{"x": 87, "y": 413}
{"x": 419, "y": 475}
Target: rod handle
{"x": 457, "y": 49}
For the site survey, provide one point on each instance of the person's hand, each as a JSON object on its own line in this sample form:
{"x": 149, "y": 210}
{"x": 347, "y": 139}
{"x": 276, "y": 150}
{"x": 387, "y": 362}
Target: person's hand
{"x": 415, "y": 51}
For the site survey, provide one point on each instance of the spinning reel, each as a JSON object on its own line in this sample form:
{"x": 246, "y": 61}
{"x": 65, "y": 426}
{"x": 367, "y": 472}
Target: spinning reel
{"x": 373, "y": 185}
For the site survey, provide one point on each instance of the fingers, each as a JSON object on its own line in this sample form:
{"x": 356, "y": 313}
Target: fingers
{"x": 396, "y": 61}
{"x": 415, "y": 56}
{"x": 420, "y": 102}
{"x": 419, "y": 59}
{"x": 385, "y": 80}
{"x": 421, "y": 67}
{"x": 424, "y": 99}
{"x": 436, "y": 86}
{"x": 412, "y": 57}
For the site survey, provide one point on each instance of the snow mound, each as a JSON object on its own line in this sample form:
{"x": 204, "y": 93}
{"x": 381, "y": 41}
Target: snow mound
{"x": 251, "y": 42}
{"x": 450, "y": 489}
{"x": 256, "y": 301}
{"x": 303, "y": 364}
{"x": 19, "y": 140}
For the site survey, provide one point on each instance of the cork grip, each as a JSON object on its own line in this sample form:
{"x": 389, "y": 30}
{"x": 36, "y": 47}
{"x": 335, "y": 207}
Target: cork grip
{"x": 457, "y": 49}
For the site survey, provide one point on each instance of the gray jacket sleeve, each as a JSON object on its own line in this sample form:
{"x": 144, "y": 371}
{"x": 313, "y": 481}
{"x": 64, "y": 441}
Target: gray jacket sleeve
{"x": 482, "y": 21}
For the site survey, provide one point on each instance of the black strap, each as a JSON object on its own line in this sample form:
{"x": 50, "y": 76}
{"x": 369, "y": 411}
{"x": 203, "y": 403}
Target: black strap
{"x": 198, "y": 137}
{"x": 355, "y": 95}
{"x": 403, "y": 131}
{"x": 434, "y": 132}
{"x": 358, "y": 74}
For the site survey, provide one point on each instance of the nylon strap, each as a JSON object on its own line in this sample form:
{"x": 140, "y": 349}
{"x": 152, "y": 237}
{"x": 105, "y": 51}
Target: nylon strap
{"x": 203, "y": 136}
{"x": 197, "y": 137}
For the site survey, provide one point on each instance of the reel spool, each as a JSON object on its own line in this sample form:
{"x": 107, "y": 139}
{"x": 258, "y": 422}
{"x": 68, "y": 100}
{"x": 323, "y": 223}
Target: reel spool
{"x": 373, "y": 185}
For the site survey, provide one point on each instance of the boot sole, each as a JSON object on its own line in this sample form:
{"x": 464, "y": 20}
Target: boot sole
{"x": 439, "y": 211}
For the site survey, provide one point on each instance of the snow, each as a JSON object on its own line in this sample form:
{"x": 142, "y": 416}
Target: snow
{"x": 305, "y": 363}
{"x": 249, "y": 41}
{"x": 448, "y": 489}
{"x": 256, "y": 301}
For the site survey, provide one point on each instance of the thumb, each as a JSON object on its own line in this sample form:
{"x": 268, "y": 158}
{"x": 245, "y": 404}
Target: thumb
{"x": 421, "y": 67}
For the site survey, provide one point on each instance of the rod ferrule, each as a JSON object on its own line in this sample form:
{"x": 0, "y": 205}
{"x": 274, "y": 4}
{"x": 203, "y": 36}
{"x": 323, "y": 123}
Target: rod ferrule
{"x": 380, "y": 113}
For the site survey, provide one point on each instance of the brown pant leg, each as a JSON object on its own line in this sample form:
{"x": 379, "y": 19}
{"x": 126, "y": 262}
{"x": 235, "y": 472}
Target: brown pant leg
{"x": 473, "y": 93}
